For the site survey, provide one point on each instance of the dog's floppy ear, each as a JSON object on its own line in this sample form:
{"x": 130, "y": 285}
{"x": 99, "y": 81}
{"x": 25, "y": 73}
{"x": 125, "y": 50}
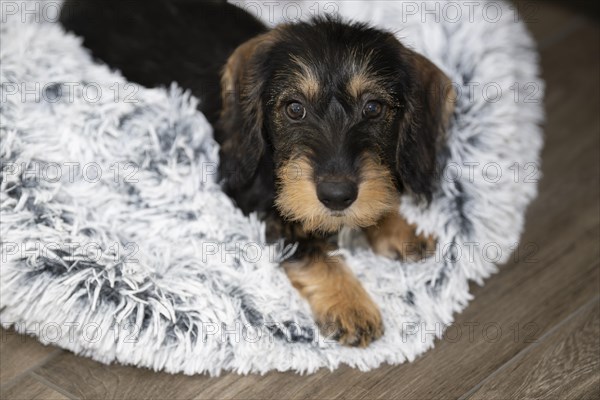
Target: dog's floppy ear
{"x": 428, "y": 108}
{"x": 240, "y": 125}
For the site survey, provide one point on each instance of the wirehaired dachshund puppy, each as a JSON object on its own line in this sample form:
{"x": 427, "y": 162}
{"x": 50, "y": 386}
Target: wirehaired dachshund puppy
{"x": 322, "y": 125}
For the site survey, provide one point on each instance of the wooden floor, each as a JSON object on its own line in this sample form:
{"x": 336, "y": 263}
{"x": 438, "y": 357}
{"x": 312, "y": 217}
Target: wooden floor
{"x": 547, "y": 308}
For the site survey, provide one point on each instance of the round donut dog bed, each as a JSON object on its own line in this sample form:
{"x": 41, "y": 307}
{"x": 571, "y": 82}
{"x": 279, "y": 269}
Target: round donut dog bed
{"x": 118, "y": 244}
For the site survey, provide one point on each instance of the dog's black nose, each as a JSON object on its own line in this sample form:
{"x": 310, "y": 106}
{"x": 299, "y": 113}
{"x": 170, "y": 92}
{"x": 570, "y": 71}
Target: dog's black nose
{"x": 337, "y": 195}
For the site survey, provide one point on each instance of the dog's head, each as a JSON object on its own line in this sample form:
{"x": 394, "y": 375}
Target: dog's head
{"x": 346, "y": 115}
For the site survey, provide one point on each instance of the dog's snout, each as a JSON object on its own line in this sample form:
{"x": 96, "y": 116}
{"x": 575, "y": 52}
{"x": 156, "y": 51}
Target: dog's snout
{"x": 337, "y": 195}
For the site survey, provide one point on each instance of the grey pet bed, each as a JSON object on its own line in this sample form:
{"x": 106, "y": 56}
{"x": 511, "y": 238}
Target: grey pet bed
{"x": 118, "y": 244}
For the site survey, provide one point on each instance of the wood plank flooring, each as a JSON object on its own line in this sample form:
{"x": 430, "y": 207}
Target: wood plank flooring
{"x": 533, "y": 331}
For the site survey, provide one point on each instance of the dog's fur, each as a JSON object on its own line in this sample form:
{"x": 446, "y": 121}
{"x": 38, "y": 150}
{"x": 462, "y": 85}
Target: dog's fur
{"x": 277, "y": 164}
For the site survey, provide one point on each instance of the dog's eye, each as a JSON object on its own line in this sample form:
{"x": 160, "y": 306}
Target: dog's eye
{"x": 295, "y": 110}
{"x": 372, "y": 109}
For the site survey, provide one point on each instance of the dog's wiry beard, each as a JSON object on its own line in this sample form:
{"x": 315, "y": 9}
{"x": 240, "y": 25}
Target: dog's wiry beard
{"x": 297, "y": 197}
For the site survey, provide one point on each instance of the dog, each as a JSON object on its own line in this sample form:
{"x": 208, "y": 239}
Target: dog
{"x": 322, "y": 125}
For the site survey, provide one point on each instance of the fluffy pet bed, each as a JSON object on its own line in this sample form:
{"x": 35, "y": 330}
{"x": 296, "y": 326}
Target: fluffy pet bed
{"x": 118, "y": 244}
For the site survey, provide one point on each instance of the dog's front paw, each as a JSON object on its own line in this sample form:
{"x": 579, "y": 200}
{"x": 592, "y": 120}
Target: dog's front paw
{"x": 350, "y": 323}
{"x": 341, "y": 307}
{"x": 395, "y": 238}
{"x": 414, "y": 248}
{"x": 420, "y": 248}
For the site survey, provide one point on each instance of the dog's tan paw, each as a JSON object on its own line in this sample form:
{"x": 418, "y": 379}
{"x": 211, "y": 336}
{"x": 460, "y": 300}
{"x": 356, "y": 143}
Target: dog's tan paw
{"x": 395, "y": 238}
{"x": 415, "y": 248}
{"x": 421, "y": 248}
{"x": 354, "y": 324}
{"x": 341, "y": 307}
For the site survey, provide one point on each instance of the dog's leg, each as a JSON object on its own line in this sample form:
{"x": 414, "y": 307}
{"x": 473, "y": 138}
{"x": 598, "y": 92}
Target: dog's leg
{"x": 341, "y": 306}
{"x": 394, "y": 237}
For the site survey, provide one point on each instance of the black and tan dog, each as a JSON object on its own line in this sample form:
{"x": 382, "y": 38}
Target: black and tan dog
{"x": 322, "y": 124}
